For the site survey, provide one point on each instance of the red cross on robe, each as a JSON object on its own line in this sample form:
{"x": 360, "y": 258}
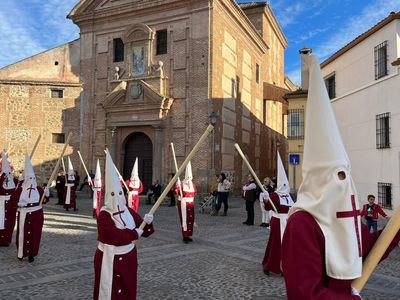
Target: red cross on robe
{"x": 30, "y": 190}
{"x": 119, "y": 213}
{"x": 355, "y": 213}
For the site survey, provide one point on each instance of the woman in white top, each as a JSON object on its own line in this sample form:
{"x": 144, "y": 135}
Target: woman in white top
{"x": 222, "y": 194}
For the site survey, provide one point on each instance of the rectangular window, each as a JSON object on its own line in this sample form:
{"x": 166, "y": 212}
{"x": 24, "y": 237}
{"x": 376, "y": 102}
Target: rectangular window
{"x": 265, "y": 111}
{"x": 118, "y": 50}
{"x": 383, "y": 131}
{"x": 381, "y": 59}
{"x": 385, "y": 195}
{"x": 331, "y": 85}
{"x": 58, "y": 138}
{"x": 257, "y": 73}
{"x": 57, "y": 94}
{"x": 162, "y": 42}
{"x": 296, "y": 124}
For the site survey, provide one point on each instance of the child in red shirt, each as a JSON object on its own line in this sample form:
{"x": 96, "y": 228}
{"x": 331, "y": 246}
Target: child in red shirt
{"x": 370, "y": 211}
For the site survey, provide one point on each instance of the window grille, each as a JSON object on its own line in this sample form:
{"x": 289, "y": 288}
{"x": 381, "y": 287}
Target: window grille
{"x": 381, "y": 60}
{"x": 296, "y": 124}
{"x": 330, "y": 83}
{"x": 385, "y": 195}
{"x": 383, "y": 131}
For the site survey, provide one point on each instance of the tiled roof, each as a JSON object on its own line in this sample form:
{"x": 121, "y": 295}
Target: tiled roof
{"x": 392, "y": 16}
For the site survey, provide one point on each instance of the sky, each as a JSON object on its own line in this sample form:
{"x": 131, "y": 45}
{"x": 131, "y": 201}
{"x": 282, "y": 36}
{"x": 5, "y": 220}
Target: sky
{"x": 28, "y": 27}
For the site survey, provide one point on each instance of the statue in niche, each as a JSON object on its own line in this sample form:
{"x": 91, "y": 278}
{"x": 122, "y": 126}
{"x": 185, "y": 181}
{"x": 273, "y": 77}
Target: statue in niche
{"x": 118, "y": 73}
{"x": 158, "y": 69}
{"x": 138, "y": 61}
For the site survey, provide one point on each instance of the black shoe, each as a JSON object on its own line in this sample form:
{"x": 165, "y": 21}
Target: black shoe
{"x": 31, "y": 259}
{"x": 20, "y": 258}
{"x": 250, "y": 224}
{"x": 266, "y": 272}
{"x": 266, "y": 225}
{"x": 189, "y": 239}
{"x": 262, "y": 225}
{"x": 186, "y": 241}
{"x": 245, "y": 223}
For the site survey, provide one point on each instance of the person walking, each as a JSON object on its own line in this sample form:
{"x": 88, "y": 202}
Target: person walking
{"x": 60, "y": 184}
{"x": 250, "y": 196}
{"x": 223, "y": 188}
{"x": 371, "y": 212}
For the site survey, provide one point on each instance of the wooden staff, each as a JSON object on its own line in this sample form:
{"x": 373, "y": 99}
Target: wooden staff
{"x": 179, "y": 172}
{"x": 378, "y": 250}
{"x": 254, "y": 175}
{"x": 84, "y": 166}
{"x": 36, "y": 144}
{"x": 176, "y": 167}
{"x": 53, "y": 175}
{"x": 119, "y": 175}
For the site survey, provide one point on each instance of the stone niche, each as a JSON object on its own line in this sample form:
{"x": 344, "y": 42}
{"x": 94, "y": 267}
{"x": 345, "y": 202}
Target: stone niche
{"x": 138, "y": 40}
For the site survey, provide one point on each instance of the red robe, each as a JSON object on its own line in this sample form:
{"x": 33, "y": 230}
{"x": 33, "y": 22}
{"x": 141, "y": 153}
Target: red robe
{"x": 124, "y": 284}
{"x": 135, "y": 198}
{"x": 72, "y": 203}
{"x": 189, "y": 211}
{"x": 10, "y": 212}
{"x": 272, "y": 256}
{"x": 303, "y": 260}
{"x": 33, "y": 226}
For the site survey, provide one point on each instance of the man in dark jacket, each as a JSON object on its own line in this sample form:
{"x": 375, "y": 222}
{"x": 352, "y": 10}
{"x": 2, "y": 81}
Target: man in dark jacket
{"x": 250, "y": 195}
{"x": 60, "y": 183}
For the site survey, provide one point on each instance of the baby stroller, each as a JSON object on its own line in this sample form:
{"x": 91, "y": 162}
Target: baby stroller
{"x": 208, "y": 202}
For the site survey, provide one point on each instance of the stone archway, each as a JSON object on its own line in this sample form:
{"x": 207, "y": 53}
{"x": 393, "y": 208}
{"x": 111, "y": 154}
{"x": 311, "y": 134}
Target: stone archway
{"x": 139, "y": 145}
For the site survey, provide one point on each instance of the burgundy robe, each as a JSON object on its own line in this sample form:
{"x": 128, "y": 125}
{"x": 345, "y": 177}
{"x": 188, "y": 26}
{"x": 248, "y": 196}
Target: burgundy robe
{"x": 135, "y": 198}
{"x": 10, "y": 212}
{"x": 272, "y": 256}
{"x": 124, "y": 283}
{"x": 33, "y": 226}
{"x": 189, "y": 211}
{"x": 303, "y": 260}
{"x": 72, "y": 203}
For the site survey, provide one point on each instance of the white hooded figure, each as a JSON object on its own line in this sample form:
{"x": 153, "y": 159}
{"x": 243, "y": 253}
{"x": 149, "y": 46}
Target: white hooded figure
{"x": 97, "y": 186}
{"x": 283, "y": 187}
{"x": 6, "y": 187}
{"x": 328, "y": 192}
{"x": 70, "y": 183}
{"x": 29, "y": 203}
{"x": 188, "y": 180}
{"x": 135, "y": 187}
{"x": 6, "y": 172}
{"x": 186, "y": 203}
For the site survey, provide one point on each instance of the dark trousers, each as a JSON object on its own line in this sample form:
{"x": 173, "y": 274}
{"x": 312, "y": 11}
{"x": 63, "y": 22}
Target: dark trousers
{"x": 60, "y": 196}
{"x": 171, "y": 195}
{"x": 222, "y": 197}
{"x": 250, "y": 212}
{"x": 372, "y": 224}
{"x": 83, "y": 184}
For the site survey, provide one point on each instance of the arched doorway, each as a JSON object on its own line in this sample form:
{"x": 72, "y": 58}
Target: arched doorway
{"x": 139, "y": 145}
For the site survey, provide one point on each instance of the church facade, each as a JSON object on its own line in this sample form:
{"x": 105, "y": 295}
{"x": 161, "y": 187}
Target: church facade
{"x": 156, "y": 72}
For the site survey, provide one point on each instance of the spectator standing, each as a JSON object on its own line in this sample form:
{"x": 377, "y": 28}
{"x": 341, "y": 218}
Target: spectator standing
{"x": 60, "y": 184}
{"x": 155, "y": 192}
{"x": 250, "y": 196}
{"x": 223, "y": 188}
{"x": 371, "y": 212}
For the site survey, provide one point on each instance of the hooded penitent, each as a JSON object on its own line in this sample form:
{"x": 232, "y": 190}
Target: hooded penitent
{"x": 70, "y": 182}
{"x": 8, "y": 182}
{"x": 29, "y": 194}
{"x": 283, "y": 188}
{"x": 71, "y": 172}
{"x": 187, "y": 182}
{"x": 115, "y": 199}
{"x": 135, "y": 180}
{"x": 97, "y": 187}
{"x": 331, "y": 199}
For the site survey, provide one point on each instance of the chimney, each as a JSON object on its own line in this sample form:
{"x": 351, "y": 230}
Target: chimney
{"x": 304, "y": 67}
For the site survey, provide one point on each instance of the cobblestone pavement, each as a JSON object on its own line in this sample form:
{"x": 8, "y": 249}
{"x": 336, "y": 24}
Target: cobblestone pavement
{"x": 224, "y": 262}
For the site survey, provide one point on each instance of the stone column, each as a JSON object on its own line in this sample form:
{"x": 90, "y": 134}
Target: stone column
{"x": 113, "y": 146}
{"x": 157, "y": 159}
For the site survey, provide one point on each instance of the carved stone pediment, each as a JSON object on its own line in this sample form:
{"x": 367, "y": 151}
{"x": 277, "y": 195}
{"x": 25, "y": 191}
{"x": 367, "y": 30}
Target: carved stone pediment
{"x": 138, "y": 32}
{"x": 139, "y": 98}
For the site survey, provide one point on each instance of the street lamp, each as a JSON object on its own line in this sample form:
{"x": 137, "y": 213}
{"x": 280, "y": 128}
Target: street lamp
{"x": 213, "y": 118}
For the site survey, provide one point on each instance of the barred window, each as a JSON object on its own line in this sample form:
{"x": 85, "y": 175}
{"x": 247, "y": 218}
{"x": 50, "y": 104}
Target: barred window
{"x": 118, "y": 50}
{"x": 57, "y": 93}
{"x": 296, "y": 124}
{"x": 385, "y": 195}
{"x": 381, "y": 59}
{"x": 383, "y": 131}
{"x": 58, "y": 138}
{"x": 162, "y": 42}
{"x": 330, "y": 83}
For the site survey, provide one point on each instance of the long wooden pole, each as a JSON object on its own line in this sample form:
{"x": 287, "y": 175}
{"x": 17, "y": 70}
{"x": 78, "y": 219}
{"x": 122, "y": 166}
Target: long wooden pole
{"x": 84, "y": 166}
{"x": 35, "y": 146}
{"x": 53, "y": 175}
{"x": 254, "y": 175}
{"x": 179, "y": 172}
{"x": 176, "y": 167}
{"x": 378, "y": 250}
{"x": 119, "y": 175}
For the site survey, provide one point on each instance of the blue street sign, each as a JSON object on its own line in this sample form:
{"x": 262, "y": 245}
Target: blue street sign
{"x": 294, "y": 159}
